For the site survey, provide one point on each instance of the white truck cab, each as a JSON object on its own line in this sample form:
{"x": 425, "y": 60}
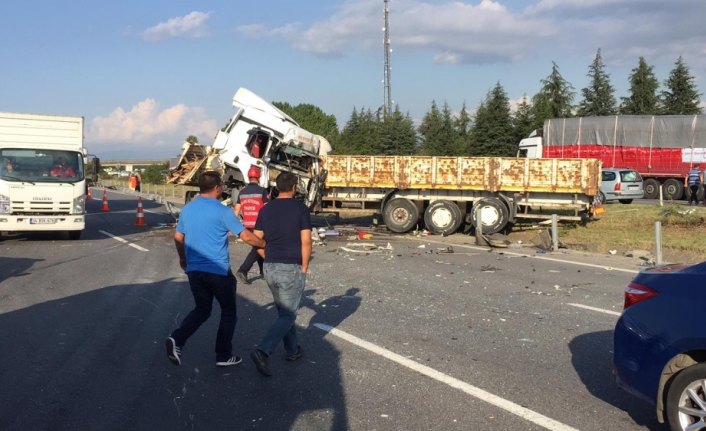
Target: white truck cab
{"x": 531, "y": 147}
{"x": 42, "y": 173}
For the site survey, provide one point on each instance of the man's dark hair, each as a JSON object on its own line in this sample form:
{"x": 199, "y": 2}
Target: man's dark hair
{"x": 286, "y": 182}
{"x": 208, "y": 181}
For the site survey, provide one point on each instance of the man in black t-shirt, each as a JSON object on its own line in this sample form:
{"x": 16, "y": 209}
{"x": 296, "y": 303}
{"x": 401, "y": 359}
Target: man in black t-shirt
{"x": 285, "y": 225}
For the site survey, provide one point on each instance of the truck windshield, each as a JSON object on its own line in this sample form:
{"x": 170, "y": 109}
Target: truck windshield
{"x": 51, "y": 166}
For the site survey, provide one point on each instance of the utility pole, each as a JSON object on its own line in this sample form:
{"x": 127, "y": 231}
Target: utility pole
{"x": 386, "y": 82}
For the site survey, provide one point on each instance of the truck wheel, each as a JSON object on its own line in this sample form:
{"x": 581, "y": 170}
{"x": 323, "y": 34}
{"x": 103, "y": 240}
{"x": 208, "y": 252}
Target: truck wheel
{"x": 700, "y": 194}
{"x": 442, "y": 217}
{"x": 651, "y": 187}
{"x": 400, "y": 215}
{"x": 686, "y": 397}
{"x": 673, "y": 189}
{"x": 74, "y": 234}
{"x": 190, "y": 195}
{"x": 493, "y": 214}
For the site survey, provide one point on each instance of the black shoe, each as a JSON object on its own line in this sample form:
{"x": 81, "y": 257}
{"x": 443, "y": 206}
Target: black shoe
{"x": 260, "y": 359}
{"x": 233, "y": 360}
{"x": 241, "y": 277}
{"x": 296, "y": 355}
{"x": 173, "y": 351}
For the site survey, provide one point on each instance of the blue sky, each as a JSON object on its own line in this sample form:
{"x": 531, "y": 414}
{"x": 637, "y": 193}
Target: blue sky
{"x": 146, "y": 74}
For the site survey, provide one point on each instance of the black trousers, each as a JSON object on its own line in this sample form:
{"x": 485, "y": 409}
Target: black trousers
{"x": 693, "y": 197}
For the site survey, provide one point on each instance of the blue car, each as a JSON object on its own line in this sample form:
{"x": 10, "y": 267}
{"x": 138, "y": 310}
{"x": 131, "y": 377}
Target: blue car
{"x": 660, "y": 343}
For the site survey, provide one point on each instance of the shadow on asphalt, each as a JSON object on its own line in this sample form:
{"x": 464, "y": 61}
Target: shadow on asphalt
{"x": 592, "y": 358}
{"x": 15, "y": 267}
{"x": 96, "y": 361}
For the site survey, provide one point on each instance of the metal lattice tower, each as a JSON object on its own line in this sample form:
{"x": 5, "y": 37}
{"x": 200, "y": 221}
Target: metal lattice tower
{"x": 386, "y": 82}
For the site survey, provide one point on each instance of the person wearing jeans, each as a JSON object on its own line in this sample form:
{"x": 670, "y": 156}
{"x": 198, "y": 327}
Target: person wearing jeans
{"x": 285, "y": 225}
{"x": 201, "y": 241}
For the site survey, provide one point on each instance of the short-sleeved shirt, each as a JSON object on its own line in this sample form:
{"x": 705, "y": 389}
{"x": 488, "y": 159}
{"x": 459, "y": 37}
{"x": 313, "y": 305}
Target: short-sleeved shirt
{"x": 282, "y": 221}
{"x": 205, "y": 223}
{"x": 694, "y": 177}
{"x": 251, "y": 199}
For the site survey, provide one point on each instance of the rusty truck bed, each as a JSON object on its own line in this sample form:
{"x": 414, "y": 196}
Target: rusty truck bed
{"x": 493, "y": 174}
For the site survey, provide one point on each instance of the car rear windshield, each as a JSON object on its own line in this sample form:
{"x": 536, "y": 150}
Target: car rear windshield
{"x": 630, "y": 177}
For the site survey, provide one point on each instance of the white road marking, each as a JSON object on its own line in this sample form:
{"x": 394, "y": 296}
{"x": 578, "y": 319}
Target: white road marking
{"x": 600, "y": 310}
{"x": 476, "y": 392}
{"x": 124, "y": 241}
{"x": 551, "y": 259}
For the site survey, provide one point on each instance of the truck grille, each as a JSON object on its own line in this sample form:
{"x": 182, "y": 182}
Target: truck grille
{"x": 38, "y": 207}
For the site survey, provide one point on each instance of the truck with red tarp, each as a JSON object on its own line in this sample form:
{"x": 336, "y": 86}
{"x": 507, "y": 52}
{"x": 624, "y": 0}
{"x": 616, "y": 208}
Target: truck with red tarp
{"x": 662, "y": 148}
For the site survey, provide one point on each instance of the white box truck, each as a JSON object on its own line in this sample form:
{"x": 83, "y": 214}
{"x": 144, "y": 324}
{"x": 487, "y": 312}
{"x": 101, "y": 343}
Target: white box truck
{"x": 42, "y": 173}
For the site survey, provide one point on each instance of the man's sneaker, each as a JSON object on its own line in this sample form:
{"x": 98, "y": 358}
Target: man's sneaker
{"x": 296, "y": 355}
{"x": 173, "y": 351}
{"x": 233, "y": 360}
{"x": 242, "y": 278}
{"x": 260, "y": 359}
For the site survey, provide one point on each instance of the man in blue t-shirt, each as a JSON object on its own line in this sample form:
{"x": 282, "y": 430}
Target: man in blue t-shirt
{"x": 201, "y": 240}
{"x": 694, "y": 178}
{"x": 286, "y": 226}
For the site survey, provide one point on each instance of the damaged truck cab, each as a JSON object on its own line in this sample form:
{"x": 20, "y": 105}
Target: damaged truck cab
{"x": 258, "y": 135}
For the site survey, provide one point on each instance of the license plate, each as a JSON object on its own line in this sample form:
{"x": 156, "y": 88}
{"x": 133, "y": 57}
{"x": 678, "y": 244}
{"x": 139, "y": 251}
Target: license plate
{"x": 45, "y": 220}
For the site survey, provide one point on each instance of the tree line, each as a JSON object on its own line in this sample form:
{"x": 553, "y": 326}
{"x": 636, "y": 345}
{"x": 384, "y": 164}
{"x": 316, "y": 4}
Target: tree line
{"x": 495, "y": 129}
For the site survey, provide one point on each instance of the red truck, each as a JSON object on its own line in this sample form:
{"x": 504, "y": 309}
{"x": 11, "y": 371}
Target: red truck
{"x": 662, "y": 148}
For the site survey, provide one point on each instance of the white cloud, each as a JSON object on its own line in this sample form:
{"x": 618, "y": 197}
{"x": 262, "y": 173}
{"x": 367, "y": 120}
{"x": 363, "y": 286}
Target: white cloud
{"x": 148, "y": 128}
{"x": 490, "y": 31}
{"x": 192, "y": 25}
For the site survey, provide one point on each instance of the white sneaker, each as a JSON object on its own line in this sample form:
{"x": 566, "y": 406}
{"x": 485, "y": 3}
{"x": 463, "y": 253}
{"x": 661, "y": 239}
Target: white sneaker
{"x": 173, "y": 351}
{"x": 233, "y": 360}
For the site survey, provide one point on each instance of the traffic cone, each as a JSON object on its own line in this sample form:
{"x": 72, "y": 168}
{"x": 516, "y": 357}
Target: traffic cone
{"x": 105, "y": 208}
{"x": 140, "y": 220}
{"x": 88, "y": 195}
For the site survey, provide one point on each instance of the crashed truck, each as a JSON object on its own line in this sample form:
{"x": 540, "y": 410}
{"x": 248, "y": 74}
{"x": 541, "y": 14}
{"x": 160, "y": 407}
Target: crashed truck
{"x": 257, "y": 135}
{"x": 443, "y": 192}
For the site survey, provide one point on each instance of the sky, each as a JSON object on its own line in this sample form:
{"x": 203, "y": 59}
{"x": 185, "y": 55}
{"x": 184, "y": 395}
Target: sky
{"x": 147, "y": 74}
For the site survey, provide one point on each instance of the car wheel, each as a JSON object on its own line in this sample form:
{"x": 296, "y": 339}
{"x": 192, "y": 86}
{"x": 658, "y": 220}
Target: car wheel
{"x": 625, "y": 201}
{"x": 686, "y": 399}
{"x": 651, "y": 187}
{"x": 442, "y": 217}
{"x": 400, "y": 215}
{"x": 673, "y": 189}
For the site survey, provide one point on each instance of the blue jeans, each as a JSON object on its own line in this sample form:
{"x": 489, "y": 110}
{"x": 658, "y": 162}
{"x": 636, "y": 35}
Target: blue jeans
{"x": 205, "y": 286}
{"x": 286, "y": 282}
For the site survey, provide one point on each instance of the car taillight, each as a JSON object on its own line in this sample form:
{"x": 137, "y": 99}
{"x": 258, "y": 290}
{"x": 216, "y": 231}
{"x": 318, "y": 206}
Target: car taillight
{"x": 616, "y": 188}
{"x": 636, "y": 292}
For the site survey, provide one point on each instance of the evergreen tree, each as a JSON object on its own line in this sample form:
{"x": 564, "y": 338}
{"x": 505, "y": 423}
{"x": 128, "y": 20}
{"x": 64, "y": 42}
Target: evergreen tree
{"x": 553, "y": 100}
{"x": 431, "y": 132}
{"x": 462, "y": 133}
{"x": 492, "y": 129}
{"x": 360, "y": 135}
{"x": 522, "y": 121}
{"x": 396, "y": 134}
{"x": 598, "y": 97}
{"x": 192, "y": 139}
{"x": 643, "y": 98}
{"x": 681, "y": 96}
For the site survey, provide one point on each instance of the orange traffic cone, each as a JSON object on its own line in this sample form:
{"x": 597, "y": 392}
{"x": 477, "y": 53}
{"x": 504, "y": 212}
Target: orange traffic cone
{"x": 105, "y": 208}
{"x": 140, "y": 220}
{"x": 88, "y": 195}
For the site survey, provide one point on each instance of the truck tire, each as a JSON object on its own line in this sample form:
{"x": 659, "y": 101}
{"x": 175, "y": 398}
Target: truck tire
{"x": 442, "y": 217}
{"x": 700, "y": 194}
{"x": 400, "y": 215}
{"x": 688, "y": 381}
{"x": 494, "y": 215}
{"x": 673, "y": 189}
{"x": 651, "y": 187}
{"x": 74, "y": 234}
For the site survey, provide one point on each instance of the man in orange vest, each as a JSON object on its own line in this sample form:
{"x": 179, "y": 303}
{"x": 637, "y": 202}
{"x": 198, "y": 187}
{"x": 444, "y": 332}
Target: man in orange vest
{"x": 250, "y": 199}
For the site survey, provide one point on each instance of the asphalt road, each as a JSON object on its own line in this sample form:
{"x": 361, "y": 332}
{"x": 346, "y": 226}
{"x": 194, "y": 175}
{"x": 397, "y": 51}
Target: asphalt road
{"x": 404, "y": 339}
